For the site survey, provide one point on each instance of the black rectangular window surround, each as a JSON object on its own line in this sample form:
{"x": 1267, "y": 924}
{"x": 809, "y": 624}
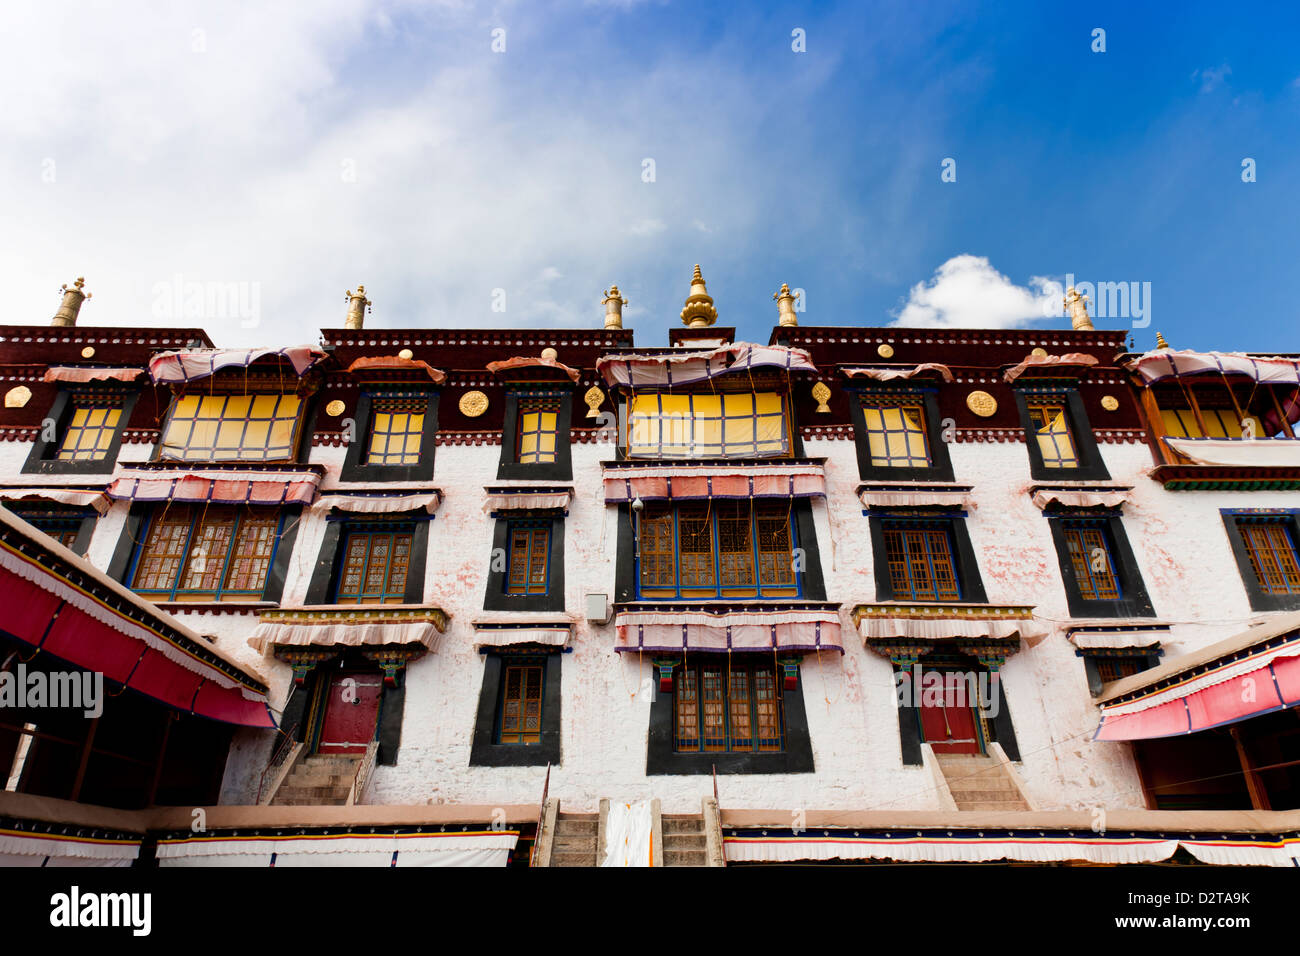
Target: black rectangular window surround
{"x": 1285, "y": 525}
{"x": 485, "y": 749}
{"x": 71, "y": 527}
{"x": 662, "y": 759}
{"x": 510, "y": 466}
{"x": 1095, "y": 664}
{"x": 970, "y": 584}
{"x": 329, "y": 561}
{"x": 355, "y": 467}
{"x": 1091, "y": 467}
{"x": 940, "y": 468}
{"x": 43, "y": 458}
{"x": 498, "y": 596}
{"x": 1133, "y": 600}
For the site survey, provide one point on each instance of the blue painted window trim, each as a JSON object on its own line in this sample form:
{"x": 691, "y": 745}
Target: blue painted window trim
{"x": 170, "y": 594}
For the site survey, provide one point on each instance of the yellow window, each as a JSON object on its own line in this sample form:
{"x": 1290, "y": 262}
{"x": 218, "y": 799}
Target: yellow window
{"x": 731, "y": 425}
{"x": 89, "y": 433}
{"x": 896, "y": 435}
{"x": 396, "y": 430}
{"x": 538, "y": 425}
{"x": 1054, "y": 439}
{"x": 231, "y": 428}
{"x": 1219, "y": 423}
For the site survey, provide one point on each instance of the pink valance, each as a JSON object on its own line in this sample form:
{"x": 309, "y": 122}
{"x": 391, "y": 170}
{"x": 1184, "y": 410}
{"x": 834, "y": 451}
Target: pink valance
{"x": 889, "y": 374}
{"x": 681, "y": 631}
{"x": 84, "y": 373}
{"x": 1119, "y": 637}
{"x": 548, "y": 635}
{"x": 64, "y": 496}
{"x": 1210, "y": 699}
{"x": 684, "y": 482}
{"x": 1079, "y": 497}
{"x": 335, "y": 625}
{"x": 381, "y": 504}
{"x": 914, "y": 497}
{"x": 523, "y": 361}
{"x": 187, "y": 365}
{"x": 1169, "y": 363}
{"x": 398, "y": 363}
{"x": 1072, "y": 360}
{"x": 683, "y": 368}
{"x": 216, "y": 487}
{"x": 939, "y": 629}
{"x": 525, "y": 500}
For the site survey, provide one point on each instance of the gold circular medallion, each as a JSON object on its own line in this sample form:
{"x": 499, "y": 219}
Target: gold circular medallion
{"x": 18, "y": 396}
{"x": 982, "y": 403}
{"x": 88, "y": 352}
{"x": 473, "y": 404}
{"x": 335, "y": 408}
{"x": 885, "y": 350}
{"x": 406, "y": 354}
{"x": 1040, "y": 352}
{"x": 1109, "y": 402}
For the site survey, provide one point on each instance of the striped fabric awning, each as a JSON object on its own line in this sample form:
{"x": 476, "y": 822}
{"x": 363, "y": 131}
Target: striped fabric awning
{"x": 356, "y": 626}
{"x": 30, "y": 847}
{"x": 905, "y": 496}
{"x": 1161, "y": 364}
{"x": 801, "y": 630}
{"x": 668, "y": 369}
{"x": 85, "y": 373}
{"x": 187, "y": 365}
{"x": 381, "y": 503}
{"x": 215, "y": 486}
{"x": 685, "y": 482}
{"x": 469, "y": 847}
{"x": 1275, "y": 452}
{"x": 522, "y": 499}
{"x": 1080, "y": 497}
{"x": 1254, "y": 673}
{"x": 493, "y": 633}
{"x": 64, "y": 496}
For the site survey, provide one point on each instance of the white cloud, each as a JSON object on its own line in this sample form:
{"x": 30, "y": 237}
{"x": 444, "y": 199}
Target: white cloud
{"x": 1212, "y": 77}
{"x": 966, "y": 292}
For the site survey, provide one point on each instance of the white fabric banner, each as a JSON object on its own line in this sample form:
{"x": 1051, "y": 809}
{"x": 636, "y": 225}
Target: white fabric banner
{"x": 628, "y": 833}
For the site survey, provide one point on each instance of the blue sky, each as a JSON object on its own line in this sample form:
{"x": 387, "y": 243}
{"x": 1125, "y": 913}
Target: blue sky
{"x": 173, "y": 153}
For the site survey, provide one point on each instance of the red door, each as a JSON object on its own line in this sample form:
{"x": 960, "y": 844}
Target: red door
{"x": 948, "y": 727}
{"x": 351, "y": 712}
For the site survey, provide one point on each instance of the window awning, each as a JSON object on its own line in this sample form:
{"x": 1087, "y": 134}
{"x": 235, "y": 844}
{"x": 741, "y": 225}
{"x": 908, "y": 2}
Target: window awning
{"x": 791, "y": 630}
{"x": 686, "y": 482}
{"x": 548, "y": 630}
{"x": 667, "y": 369}
{"x": 216, "y": 486}
{"x": 61, "y": 604}
{"x": 187, "y": 365}
{"x": 521, "y": 499}
{"x": 350, "y": 626}
{"x": 1073, "y": 497}
{"x": 1137, "y": 633}
{"x": 915, "y": 496}
{"x": 383, "y": 363}
{"x": 64, "y": 496}
{"x": 933, "y": 623}
{"x": 1239, "y": 452}
{"x": 1251, "y": 674}
{"x": 83, "y": 848}
{"x": 480, "y": 847}
{"x": 533, "y": 368}
{"x": 1168, "y": 363}
{"x": 924, "y": 370}
{"x": 85, "y": 373}
{"x": 381, "y": 503}
{"x": 1054, "y": 366}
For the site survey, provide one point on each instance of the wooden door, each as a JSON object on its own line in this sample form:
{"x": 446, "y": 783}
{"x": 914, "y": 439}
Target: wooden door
{"x": 949, "y": 726}
{"x": 351, "y": 712}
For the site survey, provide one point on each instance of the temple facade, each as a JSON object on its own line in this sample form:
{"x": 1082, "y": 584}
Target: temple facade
{"x": 554, "y": 596}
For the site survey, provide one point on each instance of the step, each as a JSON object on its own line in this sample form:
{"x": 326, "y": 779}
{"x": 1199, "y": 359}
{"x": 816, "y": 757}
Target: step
{"x": 317, "y": 760}
{"x": 575, "y": 841}
{"x": 684, "y": 841}
{"x": 1008, "y": 806}
{"x": 682, "y": 824}
{"x": 319, "y": 778}
{"x": 685, "y": 858}
{"x": 987, "y": 796}
{"x": 320, "y": 794}
{"x": 980, "y": 781}
{"x": 573, "y": 857}
{"x": 570, "y": 826}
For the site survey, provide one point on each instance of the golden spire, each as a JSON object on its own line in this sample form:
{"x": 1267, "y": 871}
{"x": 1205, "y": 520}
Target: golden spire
{"x": 1076, "y": 306}
{"x": 699, "y": 312}
{"x": 71, "y": 304}
{"x": 785, "y": 306}
{"x": 1160, "y": 342}
{"x": 614, "y": 303}
{"x": 357, "y": 305}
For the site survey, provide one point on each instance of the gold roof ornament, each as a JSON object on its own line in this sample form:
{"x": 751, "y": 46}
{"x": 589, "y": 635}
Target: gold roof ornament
{"x": 358, "y": 304}
{"x": 549, "y": 354}
{"x": 18, "y": 396}
{"x": 1076, "y": 306}
{"x": 885, "y": 350}
{"x": 1110, "y": 403}
{"x": 335, "y": 408}
{"x": 473, "y": 404}
{"x": 785, "y": 300}
{"x": 982, "y": 404}
{"x": 70, "y": 307}
{"x": 613, "y": 303}
{"x": 699, "y": 312}
{"x": 821, "y": 393}
{"x": 594, "y": 399}
{"x": 1160, "y": 341}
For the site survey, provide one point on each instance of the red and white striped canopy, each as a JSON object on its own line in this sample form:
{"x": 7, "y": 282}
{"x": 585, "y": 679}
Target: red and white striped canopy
{"x": 685, "y": 482}
{"x": 796, "y": 629}
{"x": 215, "y": 486}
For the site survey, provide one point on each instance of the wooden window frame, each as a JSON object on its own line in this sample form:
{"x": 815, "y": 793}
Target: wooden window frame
{"x": 1198, "y": 397}
{"x": 198, "y": 517}
{"x": 940, "y": 464}
{"x": 718, "y": 589}
{"x": 905, "y": 532}
{"x": 395, "y": 405}
{"x": 43, "y": 457}
{"x": 1133, "y": 599}
{"x": 517, "y": 400}
{"x": 532, "y": 529}
{"x": 1091, "y": 466}
{"x": 691, "y": 675}
{"x": 692, "y": 450}
{"x": 192, "y": 454}
{"x": 1260, "y": 598}
{"x": 485, "y": 748}
{"x": 529, "y": 666}
{"x": 73, "y": 526}
{"x": 354, "y": 465}
{"x": 497, "y": 596}
{"x": 1146, "y": 658}
{"x": 371, "y": 530}
{"x": 969, "y": 583}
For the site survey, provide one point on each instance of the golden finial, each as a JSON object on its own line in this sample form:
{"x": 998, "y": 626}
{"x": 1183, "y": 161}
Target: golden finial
{"x": 357, "y": 306}
{"x": 1160, "y": 341}
{"x": 71, "y": 304}
{"x": 699, "y": 312}
{"x": 1076, "y": 306}
{"x": 614, "y": 303}
{"x": 785, "y": 306}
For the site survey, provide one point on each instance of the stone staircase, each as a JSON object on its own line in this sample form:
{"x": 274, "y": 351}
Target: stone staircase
{"x": 575, "y": 839}
{"x": 318, "y": 781}
{"x": 979, "y": 782}
{"x": 685, "y": 843}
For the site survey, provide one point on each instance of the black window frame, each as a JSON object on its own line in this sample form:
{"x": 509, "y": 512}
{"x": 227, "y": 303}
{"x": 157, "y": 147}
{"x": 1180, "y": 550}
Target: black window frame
{"x": 940, "y": 468}
{"x": 37, "y": 513}
{"x": 559, "y": 470}
{"x": 1233, "y": 518}
{"x": 495, "y": 597}
{"x": 323, "y": 587}
{"x": 485, "y": 751}
{"x": 354, "y": 467}
{"x": 970, "y": 584}
{"x": 1091, "y": 465}
{"x": 1149, "y": 656}
{"x": 41, "y": 459}
{"x": 1134, "y": 600}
